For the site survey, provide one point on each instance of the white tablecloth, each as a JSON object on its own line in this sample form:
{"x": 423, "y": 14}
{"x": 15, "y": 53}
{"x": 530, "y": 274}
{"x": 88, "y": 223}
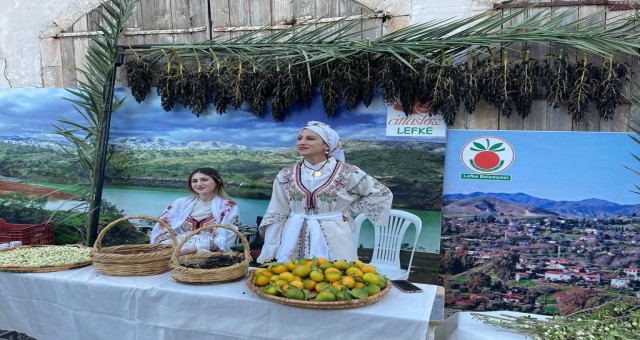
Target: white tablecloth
{"x": 84, "y": 304}
{"x": 463, "y": 326}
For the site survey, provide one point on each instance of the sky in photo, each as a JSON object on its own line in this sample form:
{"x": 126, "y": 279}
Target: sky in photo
{"x": 562, "y": 166}
{"x": 33, "y": 112}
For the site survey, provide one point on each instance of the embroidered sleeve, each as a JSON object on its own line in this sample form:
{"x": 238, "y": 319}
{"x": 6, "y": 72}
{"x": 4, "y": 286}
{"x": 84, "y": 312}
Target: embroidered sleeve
{"x": 158, "y": 233}
{"x": 373, "y": 199}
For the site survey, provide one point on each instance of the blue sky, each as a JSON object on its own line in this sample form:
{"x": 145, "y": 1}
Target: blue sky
{"x": 33, "y": 111}
{"x": 553, "y": 165}
{"x": 567, "y": 166}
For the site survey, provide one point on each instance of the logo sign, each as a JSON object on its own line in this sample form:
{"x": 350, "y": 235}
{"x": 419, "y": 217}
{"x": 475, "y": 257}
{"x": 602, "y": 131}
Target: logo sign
{"x": 422, "y": 122}
{"x": 487, "y": 156}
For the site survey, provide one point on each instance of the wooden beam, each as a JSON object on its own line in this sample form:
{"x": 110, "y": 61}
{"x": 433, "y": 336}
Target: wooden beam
{"x": 306, "y": 20}
{"x": 135, "y": 32}
{"x": 612, "y": 5}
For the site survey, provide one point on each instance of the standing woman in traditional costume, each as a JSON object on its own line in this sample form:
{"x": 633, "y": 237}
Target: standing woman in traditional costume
{"x": 313, "y": 201}
{"x": 208, "y": 205}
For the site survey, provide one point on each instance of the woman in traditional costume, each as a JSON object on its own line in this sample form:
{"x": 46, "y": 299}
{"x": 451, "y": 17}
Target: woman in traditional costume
{"x": 313, "y": 201}
{"x": 209, "y": 204}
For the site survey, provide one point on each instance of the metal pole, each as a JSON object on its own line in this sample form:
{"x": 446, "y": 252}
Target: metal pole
{"x": 102, "y": 155}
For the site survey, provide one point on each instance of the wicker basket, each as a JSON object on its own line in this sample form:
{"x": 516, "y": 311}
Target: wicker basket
{"x": 45, "y": 268}
{"x": 132, "y": 259}
{"x": 318, "y": 304}
{"x": 184, "y": 274}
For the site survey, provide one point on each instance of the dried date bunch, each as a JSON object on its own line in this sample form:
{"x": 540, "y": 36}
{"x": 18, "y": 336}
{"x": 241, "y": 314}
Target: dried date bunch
{"x": 196, "y": 88}
{"x": 469, "y": 87}
{"x": 559, "y": 80}
{"x": 262, "y": 82}
{"x": 609, "y": 90}
{"x": 218, "y": 92}
{"x": 237, "y": 78}
{"x": 445, "y": 97}
{"x": 585, "y": 81}
{"x": 328, "y": 76}
{"x": 167, "y": 86}
{"x": 139, "y": 75}
{"x": 389, "y": 70}
{"x": 291, "y": 84}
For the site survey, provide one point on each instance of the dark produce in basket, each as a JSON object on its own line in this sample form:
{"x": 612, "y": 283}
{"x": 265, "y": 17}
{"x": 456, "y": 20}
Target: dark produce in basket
{"x": 212, "y": 262}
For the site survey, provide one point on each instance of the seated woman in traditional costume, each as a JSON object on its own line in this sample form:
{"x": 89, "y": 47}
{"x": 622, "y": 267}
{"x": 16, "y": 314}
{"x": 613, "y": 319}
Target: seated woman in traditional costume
{"x": 208, "y": 205}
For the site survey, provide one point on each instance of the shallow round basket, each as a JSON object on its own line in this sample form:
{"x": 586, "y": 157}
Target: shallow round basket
{"x": 132, "y": 259}
{"x": 184, "y": 274}
{"x": 355, "y": 303}
{"x": 44, "y": 268}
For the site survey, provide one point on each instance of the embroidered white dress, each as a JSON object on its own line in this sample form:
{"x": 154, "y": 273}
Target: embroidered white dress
{"x": 188, "y": 213}
{"x": 312, "y": 216}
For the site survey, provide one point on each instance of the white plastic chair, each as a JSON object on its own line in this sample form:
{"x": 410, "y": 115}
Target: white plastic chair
{"x": 388, "y": 240}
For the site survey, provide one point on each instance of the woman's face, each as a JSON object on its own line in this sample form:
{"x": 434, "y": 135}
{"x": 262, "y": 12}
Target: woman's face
{"x": 203, "y": 185}
{"x": 310, "y": 145}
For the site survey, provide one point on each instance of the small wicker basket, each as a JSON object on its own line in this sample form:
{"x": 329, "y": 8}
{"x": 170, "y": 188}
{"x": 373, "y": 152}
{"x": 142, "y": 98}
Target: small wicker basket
{"x": 182, "y": 273}
{"x": 133, "y": 259}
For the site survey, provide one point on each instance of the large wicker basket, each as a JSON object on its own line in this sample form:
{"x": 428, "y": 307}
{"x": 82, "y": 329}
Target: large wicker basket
{"x": 182, "y": 273}
{"x": 310, "y": 304}
{"x": 133, "y": 259}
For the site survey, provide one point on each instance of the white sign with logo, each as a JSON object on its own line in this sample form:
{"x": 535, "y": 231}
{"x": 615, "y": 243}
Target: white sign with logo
{"x": 486, "y": 156}
{"x": 420, "y": 123}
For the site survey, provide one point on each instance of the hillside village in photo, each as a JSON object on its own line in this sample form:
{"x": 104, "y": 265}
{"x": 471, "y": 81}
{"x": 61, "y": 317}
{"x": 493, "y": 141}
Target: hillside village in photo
{"x": 518, "y": 252}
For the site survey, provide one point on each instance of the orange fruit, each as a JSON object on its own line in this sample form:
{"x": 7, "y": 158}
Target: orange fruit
{"x": 341, "y": 264}
{"x": 325, "y": 295}
{"x": 321, "y": 260}
{"x": 371, "y": 278}
{"x": 331, "y": 269}
{"x": 333, "y": 276}
{"x": 302, "y": 271}
{"x": 259, "y": 270}
{"x": 316, "y": 275}
{"x": 325, "y": 265}
{"x": 372, "y": 289}
{"x": 295, "y": 293}
{"x": 337, "y": 285}
{"x": 354, "y": 271}
{"x": 309, "y": 284}
{"x": 348, "y": 281}
{"x": 321, "y": 286}
{"x": 270, "y": 289}
{"x": 278, "y": 268}
{"x": 287, "y": 276}
{"x": 290, "y": 265}
{"x": 261, "y": 280}
{"x": 367, "y": 268}
{"x": 298, "y": 284}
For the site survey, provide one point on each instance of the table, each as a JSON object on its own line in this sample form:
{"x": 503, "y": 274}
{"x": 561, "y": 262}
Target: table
{"x": 463, "y": 326}
{"x": 85, "y": 304}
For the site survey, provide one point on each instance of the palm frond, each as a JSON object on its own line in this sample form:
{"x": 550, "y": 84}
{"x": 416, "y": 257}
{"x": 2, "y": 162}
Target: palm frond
{"x": 92, "y": 96}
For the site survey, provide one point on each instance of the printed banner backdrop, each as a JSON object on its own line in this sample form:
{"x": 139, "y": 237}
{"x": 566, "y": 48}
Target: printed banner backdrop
{"x": 154, "y": 151}
{"x": 539, "y": 222}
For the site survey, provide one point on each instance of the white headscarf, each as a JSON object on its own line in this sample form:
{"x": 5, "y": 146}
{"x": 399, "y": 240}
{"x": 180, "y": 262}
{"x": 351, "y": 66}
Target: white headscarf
{"x": 330, "y": 137}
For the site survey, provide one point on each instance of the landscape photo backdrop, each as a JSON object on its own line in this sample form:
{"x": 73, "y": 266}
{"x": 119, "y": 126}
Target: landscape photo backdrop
{"x": 542, "y": 222}
{"x": 153, "y": 151}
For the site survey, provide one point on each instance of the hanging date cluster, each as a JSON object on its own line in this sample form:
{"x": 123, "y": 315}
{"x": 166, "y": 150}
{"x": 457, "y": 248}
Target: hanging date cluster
{"x": 442, "y": 83}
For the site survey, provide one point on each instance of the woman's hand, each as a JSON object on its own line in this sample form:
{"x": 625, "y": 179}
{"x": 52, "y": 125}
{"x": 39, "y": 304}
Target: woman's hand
{"x": 188, "y": 251}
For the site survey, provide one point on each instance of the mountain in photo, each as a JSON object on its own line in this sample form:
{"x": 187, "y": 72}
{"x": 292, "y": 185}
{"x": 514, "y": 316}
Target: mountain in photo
{"x": 520, "y": 204}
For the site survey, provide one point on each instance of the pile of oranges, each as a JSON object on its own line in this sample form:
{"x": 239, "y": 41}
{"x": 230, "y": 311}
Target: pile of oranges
{"x": 318, "y": 279}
